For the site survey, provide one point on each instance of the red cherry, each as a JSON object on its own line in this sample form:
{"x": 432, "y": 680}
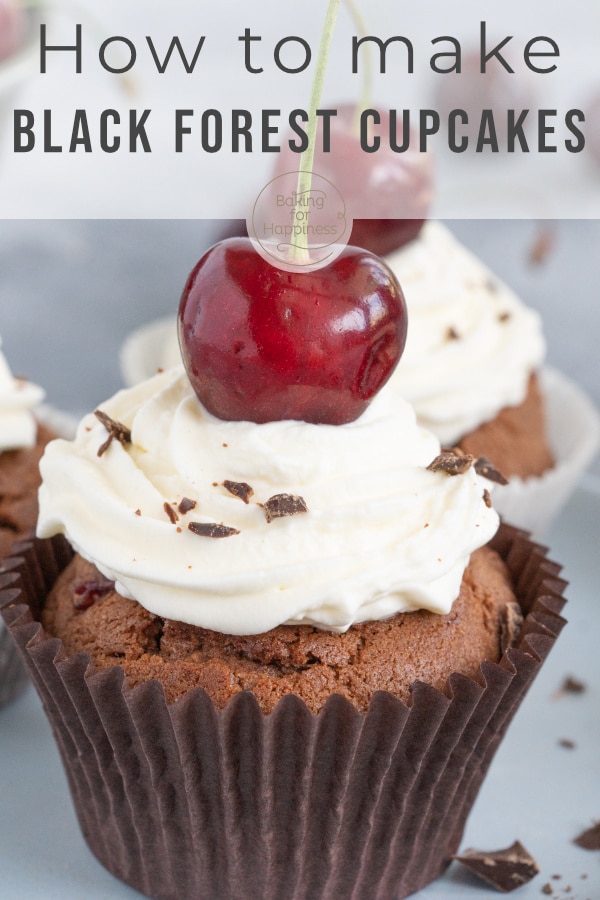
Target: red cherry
{"x": 12, "y": 27}
{"x": 394, "y": 189}
{"x": 593, "y": 118}
{"x": 261, "y": 344}
{"x": 474, "y": 91}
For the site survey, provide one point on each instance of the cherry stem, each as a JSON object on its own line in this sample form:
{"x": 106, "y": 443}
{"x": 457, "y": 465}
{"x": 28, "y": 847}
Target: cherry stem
{"x": 367, "y": 81}
{"x": 299, "y": 251}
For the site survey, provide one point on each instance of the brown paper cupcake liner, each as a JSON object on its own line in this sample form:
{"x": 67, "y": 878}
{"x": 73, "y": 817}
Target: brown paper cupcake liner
{"x": 185, "y": 801}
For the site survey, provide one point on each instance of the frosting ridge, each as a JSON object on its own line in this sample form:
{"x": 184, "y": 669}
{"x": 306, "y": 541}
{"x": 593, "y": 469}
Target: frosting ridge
{"x": 382, "y": 533}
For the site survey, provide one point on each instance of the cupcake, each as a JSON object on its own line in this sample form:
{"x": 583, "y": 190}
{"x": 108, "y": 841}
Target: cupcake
{"x": 472, "y": 369}
{"x": 22, "y": 441}
{"x": 277, "y": 657}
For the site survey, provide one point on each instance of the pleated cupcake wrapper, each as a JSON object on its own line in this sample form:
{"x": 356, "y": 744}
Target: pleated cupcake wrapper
{"x": 185, "y": 801}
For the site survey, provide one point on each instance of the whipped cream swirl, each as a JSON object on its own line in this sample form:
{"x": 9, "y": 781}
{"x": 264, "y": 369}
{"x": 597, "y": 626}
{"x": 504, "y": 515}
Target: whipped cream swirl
{"x": 17, "y": 398}
{"x": 382, "y": 533}
{"x": 471, "y": 344}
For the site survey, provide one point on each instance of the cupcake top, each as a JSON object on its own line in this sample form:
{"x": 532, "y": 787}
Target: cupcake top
{"x": 238, "y": 527}
{"x": 17, "y": 398}
{"x": 471, "y": 345}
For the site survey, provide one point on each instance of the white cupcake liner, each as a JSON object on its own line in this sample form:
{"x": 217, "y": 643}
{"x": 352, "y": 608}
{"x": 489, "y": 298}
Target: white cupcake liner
{"x": 573, "y": 425}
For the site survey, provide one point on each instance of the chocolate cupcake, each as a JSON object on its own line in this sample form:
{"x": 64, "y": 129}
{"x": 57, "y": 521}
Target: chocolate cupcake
{"x": 22, "y": 442}
{"x": 270, "y": 666}
{"x": 473, "y": 370}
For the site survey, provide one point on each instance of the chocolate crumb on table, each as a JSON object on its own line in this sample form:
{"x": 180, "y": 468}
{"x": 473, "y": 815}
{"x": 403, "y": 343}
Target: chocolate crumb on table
{"x": 573, "y": 686}
{"x": 505, "y": 869}
{"x": 590, "y": 838}
{"x": 568, "y": 744}
{"x": 547, "y": 888}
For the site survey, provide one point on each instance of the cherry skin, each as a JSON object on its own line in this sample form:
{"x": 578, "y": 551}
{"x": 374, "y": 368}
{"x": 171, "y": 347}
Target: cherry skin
{"x": 396, "y": 189}
{"x": 12, "y": 27}
{"x": 261, "y": 344}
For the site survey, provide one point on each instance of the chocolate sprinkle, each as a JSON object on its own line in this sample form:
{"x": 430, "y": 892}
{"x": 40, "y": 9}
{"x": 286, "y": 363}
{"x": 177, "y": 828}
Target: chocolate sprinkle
{"x": 503, "y": 316}
{"x": 484, "y": 468}
{"x": 503, "y": 869}
{"x": 115, "y": 430}
{"x": 280, "y": 505}
{"x": 590, "y": 838}
{"x": 451, "y": 462}
{"x": 487, "y": 499}
{"x": 186, "y": 505}
{"x": 452, "y": 334}
{"x": 212, "y": 529}
{"x": 239, "y": 489}
{"x": 170, "y": 512}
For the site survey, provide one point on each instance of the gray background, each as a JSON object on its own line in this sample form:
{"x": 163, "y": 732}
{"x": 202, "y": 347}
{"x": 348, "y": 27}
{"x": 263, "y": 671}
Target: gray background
{"x": 71, "y": 291}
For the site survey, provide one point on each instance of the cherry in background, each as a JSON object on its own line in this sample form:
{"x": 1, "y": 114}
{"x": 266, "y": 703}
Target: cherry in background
{"x": 593, "y": 125}
{"x": 262, "y": 344}
{"x": 12, "y": 27}
{"x": 396, "y": 188}
{"x": 473, "y": 91}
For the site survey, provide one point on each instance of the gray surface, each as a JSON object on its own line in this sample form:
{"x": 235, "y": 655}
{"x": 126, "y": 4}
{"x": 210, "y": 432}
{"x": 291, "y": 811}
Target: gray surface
{"x": 70, "y": 292}
{"x": 536, "y": 791}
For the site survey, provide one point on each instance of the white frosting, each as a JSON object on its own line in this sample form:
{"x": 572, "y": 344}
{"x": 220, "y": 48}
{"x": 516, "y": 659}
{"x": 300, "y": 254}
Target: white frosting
{"x": 457, "y": 384}
{"x": 17, "y": 398}
{"x": 381, "y": 535}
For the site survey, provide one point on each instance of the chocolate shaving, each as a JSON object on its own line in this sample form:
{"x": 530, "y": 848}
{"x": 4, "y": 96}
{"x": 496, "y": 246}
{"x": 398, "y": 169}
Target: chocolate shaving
{"x": 503, "y": 316}
{"x": 452, "y": 334}
{"x": 590, "y": 838}
{"x": 186, "y": 505}
{"x": 503, "y": 869}
{"x": 511, "y": 625}
{"x": 487, "y": 499}
{"x": 115, "y": 431}
{"x": 239, "y": 489}
{"x": 484, "y": 468}
{"x": 280, "y": 505}
{"x": 170, "y": 512}
{"x": 87, "y": 592}
{"x": 542, "y": 246}
{"x": 212, "y": 529}
{"x": 451, "y": 462}
{"x": 572, "y": 686}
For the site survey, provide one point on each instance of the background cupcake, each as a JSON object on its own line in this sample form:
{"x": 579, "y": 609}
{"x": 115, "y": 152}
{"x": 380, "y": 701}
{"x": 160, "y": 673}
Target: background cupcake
{"x": 22, "y": 441}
